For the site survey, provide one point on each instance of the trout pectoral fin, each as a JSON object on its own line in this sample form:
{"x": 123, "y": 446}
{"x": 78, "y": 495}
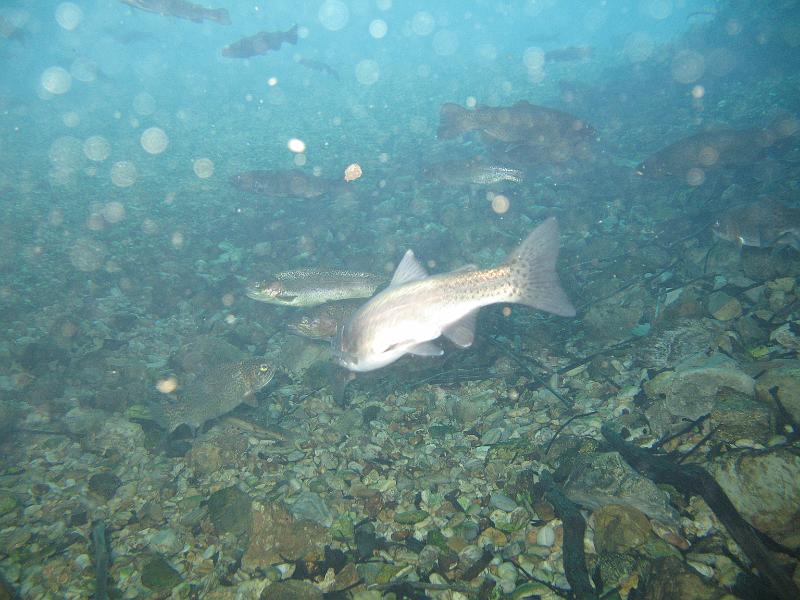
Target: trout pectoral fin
{"x": 413, "y": 347}
{"x": 250, "y": 399}
{"x": 462, "y": 332}
{"x": 425, "y": 349}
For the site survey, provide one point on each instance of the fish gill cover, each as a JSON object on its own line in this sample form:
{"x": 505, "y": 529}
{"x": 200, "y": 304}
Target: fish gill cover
{"x": 202, "y": 206}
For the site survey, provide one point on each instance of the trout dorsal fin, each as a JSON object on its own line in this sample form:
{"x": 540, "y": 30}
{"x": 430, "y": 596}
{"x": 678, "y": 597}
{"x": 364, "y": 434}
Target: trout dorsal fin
{"x": 408, "y": 270}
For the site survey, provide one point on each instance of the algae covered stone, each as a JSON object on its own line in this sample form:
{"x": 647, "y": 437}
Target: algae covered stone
{"x": 619, "y": 528}
{"x": 765, "y": 488}
{"x": 230, "y": 510}
{"x": 159, "y": 575}
{"x": 410, "y": 517}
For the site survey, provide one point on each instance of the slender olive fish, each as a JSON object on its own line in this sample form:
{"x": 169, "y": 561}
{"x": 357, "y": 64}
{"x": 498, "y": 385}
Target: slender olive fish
{"x": 216, "y": 392}
{"x": 417, "y": 308}
{"x": 311, "y": 287}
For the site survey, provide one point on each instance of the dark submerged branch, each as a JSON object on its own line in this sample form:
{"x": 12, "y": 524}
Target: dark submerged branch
{"x": 574, "y": 531}
{"x": 691, "y": 479}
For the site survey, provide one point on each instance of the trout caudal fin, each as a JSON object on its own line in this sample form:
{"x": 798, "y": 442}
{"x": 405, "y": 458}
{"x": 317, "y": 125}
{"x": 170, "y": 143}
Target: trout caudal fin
{"x": 533, "y": 272}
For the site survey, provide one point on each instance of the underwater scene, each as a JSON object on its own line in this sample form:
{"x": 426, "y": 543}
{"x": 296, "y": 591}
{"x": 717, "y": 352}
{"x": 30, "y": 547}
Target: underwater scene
{"x": 393, "y": 299}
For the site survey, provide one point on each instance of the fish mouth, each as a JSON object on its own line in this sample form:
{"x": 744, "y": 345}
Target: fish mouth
{"x": 255, "y": 294}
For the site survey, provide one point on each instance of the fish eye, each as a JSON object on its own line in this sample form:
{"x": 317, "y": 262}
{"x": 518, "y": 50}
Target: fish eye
{"x": 263, "y": 367}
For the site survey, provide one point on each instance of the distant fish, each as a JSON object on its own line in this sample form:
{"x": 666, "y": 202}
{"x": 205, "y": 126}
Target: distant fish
{"x": 705, "y": 151}
{"x": 181, "y": 9}
{"x": 219, "y": 390}
{"x": 260, "y": 43}
{"x": 570, "y": 53}
{"x": 764, "y": 224}
{"x": 290, "y": 183}
{"x": 315, "y": 65}
{"x": 464, "y": 172}
{"x": 324, "y": 321}
{"x": 719, "y": 149}
{"x": 522, "y": 123}
{"x": 311, "y": 287}
{"x": 416, "y": 308}
{"x": 10, "y": 31}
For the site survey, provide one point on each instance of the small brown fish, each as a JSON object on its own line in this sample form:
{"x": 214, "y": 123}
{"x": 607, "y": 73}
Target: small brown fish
{"x": 765, "y": 224}
{"x": 182, "y": 9}
{"x": 316, "y": 65}
{"x": 465, "y": 172}
{"x": 522, "y": 123}
{"x": 570, "y": 53}
{"x": 260, "y": 43}
{"x": 216, "y": 392}
{"x": 323, "y": 322}
{"x": 291, "y": 183}
{"x": 722, "y": 148}
{"x": 705, "y": 151}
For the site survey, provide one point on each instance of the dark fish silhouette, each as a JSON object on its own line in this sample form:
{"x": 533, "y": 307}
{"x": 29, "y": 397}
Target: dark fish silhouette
{"x": 290, "y": 183}
{"x": 323, "y": 322}
{"x": 706, "y": 150}
{"x": 719, "y": 148}
{"x": 11, "y": 32}
{"x": 764, "y": 224}
{"x": 315, "y": 65}
{"x": 181, "y": 9}
{"x": 260, "y": 43}
{"x": 522, "y": 123}
{"x": 571, "y": 53}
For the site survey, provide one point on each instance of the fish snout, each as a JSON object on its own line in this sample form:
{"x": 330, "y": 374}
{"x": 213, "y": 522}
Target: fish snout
{"x": 263, "y": 289}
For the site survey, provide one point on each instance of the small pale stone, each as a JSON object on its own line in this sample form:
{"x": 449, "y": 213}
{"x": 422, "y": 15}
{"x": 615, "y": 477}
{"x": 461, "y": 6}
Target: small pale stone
{"x": 165, "y": 542}
{"x": 546, "y": 536}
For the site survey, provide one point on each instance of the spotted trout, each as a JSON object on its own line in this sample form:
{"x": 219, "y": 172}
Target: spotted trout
{"x": 417, "y": 308}
{"x": 311, "y": 287}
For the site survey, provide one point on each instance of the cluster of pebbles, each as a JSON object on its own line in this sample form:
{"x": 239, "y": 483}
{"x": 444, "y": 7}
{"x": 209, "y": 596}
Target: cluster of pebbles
{"x": 425, "y": 486}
